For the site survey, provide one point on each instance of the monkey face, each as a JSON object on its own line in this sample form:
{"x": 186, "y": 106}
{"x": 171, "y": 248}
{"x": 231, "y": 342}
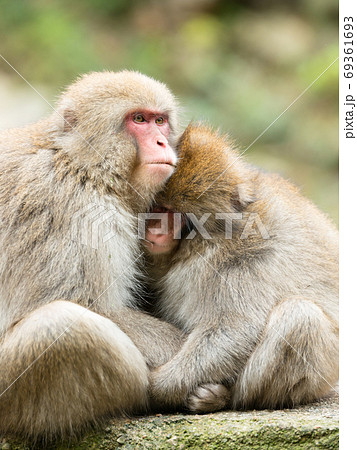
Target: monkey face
{"x": 121, "y": 128}
{"x": 160, "y": 236}
{"x": 156, "y": 159}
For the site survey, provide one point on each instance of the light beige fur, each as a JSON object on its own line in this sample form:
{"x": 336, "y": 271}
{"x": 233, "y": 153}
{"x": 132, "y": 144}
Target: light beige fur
{"x": 63, "y": 367}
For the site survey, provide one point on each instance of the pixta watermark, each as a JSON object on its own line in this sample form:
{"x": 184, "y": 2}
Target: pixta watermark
{"x": 95, "y": 225}
{"x": 161, "y": 224}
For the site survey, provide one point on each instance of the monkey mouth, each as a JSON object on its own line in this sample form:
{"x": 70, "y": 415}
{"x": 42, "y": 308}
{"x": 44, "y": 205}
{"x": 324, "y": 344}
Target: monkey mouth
{"x": 165, "y": 163}
{"x": 155, "y": 244}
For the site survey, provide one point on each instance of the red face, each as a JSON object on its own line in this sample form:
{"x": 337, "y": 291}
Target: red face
{"x": 156, "y": 241}
{"x": 156, "y": 158}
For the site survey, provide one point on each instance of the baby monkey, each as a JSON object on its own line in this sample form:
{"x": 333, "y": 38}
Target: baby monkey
{"x": 252, "y": 280}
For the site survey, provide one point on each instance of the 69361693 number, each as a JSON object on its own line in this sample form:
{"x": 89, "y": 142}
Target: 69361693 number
{"x": 348, "y": 47}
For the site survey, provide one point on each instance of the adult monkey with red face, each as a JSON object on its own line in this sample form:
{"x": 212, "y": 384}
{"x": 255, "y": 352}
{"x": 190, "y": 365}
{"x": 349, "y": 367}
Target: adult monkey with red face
{"x": 101, "y": 157}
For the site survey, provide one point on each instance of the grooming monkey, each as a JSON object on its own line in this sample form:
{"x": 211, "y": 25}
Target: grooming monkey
{"x": 260, "y": 307}
{"x": 100, "y": 158}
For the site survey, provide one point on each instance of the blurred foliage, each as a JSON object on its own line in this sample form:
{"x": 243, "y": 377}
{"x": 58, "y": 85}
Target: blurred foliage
{"x": 237, "y": 64}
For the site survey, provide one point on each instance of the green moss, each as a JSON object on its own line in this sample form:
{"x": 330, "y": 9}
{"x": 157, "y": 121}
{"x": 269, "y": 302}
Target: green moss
{"x": 201, "y": 432}
{"x": 310, "y": 427}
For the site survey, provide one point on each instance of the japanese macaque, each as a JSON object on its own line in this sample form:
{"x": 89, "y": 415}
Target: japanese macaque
{"x": 253, "y": 280}
{"x": 73, "y": 346}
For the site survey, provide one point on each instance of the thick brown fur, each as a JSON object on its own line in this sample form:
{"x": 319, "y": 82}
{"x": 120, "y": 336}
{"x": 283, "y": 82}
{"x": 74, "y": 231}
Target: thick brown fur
{"x": 63, "y": 367}
{"x": 260, "y": 308}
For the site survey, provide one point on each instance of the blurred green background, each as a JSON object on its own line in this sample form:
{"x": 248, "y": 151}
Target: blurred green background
{"x": 237, "y": 64}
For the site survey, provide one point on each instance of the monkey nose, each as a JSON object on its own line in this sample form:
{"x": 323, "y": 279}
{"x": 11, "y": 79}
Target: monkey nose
{"x": 161, "y": 143}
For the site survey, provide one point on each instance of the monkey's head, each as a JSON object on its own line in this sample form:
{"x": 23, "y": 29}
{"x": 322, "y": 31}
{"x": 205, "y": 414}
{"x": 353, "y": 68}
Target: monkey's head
{"x": 210, "y": 176}
{"x": 210, "y": 179}
{"x": 118, "y": 131}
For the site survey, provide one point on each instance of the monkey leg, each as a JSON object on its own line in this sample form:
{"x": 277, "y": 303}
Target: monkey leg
{"x": 63, "y": 367}
{"x": 158, "y": 341}
{"x": 295, "y": 362}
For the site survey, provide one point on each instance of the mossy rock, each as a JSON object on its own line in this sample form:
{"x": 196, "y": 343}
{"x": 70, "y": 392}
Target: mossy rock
{"x": 312, "y": 426}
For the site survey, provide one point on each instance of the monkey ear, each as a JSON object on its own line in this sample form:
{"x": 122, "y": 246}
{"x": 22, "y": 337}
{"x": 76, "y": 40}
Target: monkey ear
{"x": 69, "y": 119}
{"x": 242, "y": 195}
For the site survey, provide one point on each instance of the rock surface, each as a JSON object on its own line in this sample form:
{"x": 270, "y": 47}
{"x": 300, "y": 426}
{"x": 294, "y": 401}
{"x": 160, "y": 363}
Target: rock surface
{"x": 312, "y": 426}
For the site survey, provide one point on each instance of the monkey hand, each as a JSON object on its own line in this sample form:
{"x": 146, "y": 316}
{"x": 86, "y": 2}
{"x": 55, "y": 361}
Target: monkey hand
{"x": 209, "y": 398}
{"x": 168, "y": 390}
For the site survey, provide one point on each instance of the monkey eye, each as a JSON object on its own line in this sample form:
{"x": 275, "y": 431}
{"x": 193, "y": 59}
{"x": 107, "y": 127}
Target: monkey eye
{"x": 160, "y": 120}
{"x": 139, "y": 118}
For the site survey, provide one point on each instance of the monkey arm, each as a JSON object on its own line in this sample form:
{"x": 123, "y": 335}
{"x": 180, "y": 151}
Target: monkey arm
{"x": 158, "y": 341}
{"x": 209, "y": 355}
{"x": 226, "y": 328}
